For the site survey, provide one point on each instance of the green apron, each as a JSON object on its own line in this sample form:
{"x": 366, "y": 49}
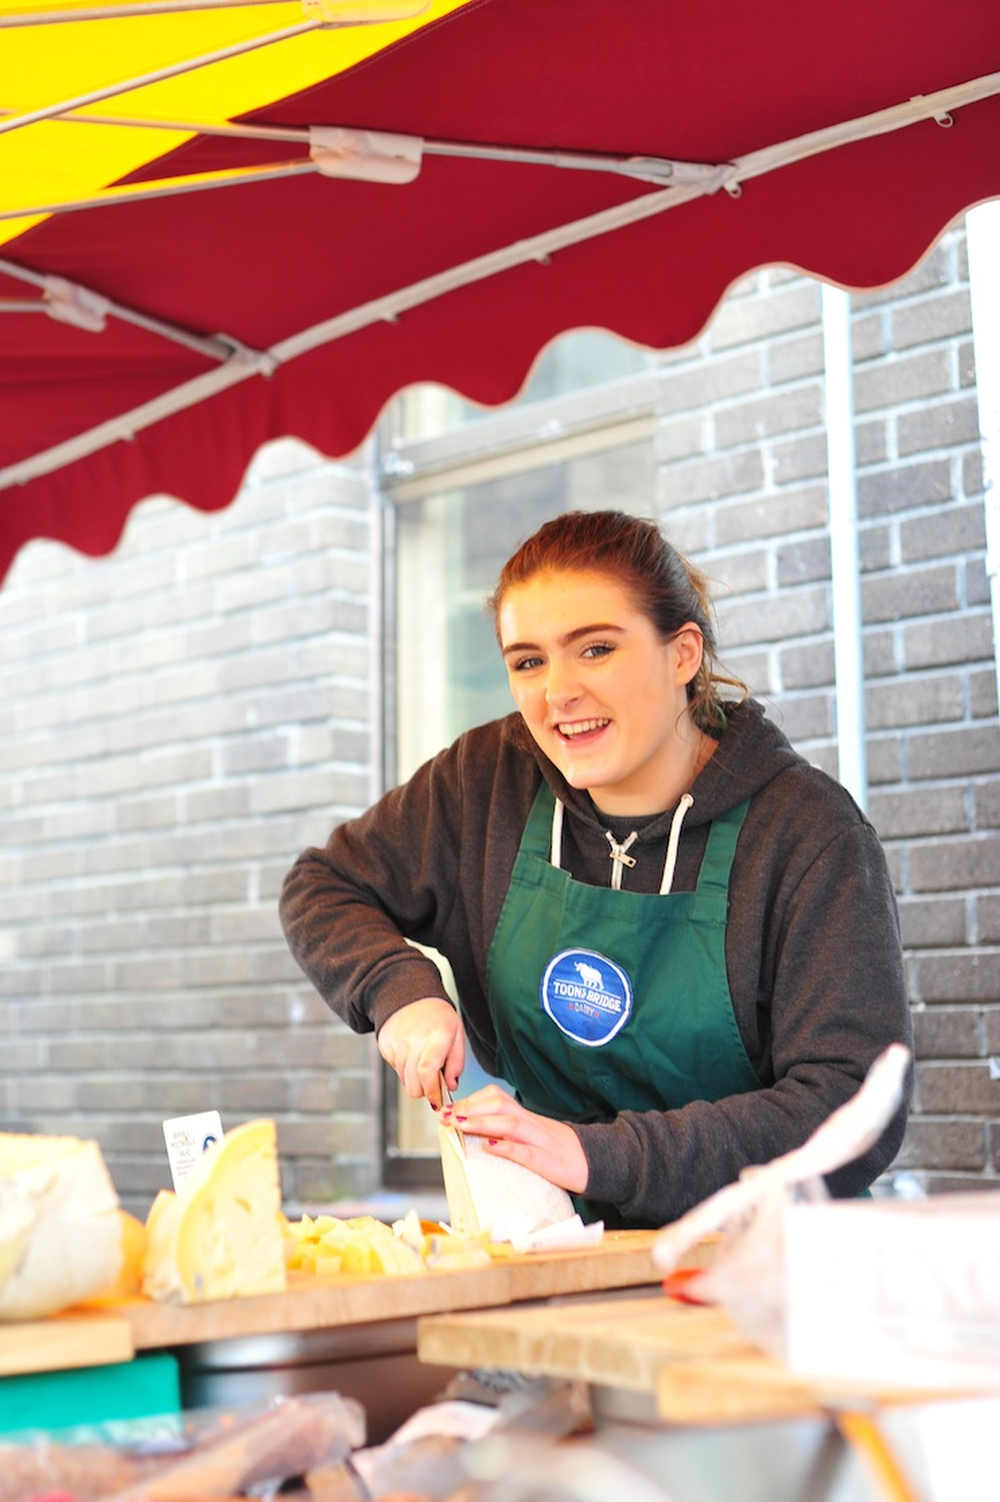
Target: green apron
{"x": 605, "y": 1001}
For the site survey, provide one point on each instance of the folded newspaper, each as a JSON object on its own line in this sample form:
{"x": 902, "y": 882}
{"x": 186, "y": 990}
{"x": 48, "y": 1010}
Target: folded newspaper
{"x": 883, "y": 1292}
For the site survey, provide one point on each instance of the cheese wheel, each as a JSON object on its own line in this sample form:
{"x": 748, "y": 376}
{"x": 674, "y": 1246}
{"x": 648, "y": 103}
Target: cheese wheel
{"x": 222, "y": 1235}
{"x": 495, "y": 1196}
{"x": 60, "y": 1234}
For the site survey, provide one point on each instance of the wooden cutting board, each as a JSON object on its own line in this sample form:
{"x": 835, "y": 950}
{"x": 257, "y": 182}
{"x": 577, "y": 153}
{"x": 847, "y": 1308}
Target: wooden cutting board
{"x": 694, "y": 1362}
{"x": 116, "y": 1330}
{"x": 74, "y": 1339}
{"x": 623, "y": 1259}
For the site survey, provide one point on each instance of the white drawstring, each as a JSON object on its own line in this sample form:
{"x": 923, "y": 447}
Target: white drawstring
{"x": 619, "y": 853}
{"x": 675, "y": 834}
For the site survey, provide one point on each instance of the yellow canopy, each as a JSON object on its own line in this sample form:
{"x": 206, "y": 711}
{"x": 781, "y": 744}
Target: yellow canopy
{"x": 59, "y": 60}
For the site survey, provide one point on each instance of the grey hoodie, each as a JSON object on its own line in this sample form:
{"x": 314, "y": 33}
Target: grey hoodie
{"x": 812, "y": 940}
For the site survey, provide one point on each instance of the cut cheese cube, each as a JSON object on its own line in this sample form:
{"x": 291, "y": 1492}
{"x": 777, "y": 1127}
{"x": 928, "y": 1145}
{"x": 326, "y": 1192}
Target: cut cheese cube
{"x": 222, "y": 1235}
{"x": 493, "y": 1196}
{"x": 359, "y": 1247}
{"x": 60, "y": 1234}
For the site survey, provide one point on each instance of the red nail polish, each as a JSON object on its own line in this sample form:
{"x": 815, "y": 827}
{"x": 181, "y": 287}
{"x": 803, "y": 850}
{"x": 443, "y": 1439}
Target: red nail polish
{"x": 434, "y": 1107}
{"x": 461, "y": 1118}
{"x": 493, "y": 1141}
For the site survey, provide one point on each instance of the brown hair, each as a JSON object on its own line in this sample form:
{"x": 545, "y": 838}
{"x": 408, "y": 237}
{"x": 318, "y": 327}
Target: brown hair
{"x": 665, "y": 586}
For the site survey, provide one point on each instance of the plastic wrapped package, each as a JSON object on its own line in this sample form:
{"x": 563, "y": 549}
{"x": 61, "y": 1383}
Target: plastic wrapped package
{"x": 207, "y": 1453}
{"x": 747, "y": 1274}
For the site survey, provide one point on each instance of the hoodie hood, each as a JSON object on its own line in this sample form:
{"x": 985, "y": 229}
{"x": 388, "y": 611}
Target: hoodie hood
{"x": 751, "y": 752}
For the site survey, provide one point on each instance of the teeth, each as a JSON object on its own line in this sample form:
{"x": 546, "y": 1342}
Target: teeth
{"x": 580, "y": 727}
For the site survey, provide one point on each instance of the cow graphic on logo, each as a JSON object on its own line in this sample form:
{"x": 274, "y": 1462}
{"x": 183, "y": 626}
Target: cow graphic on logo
{"x": 586, "y": 995}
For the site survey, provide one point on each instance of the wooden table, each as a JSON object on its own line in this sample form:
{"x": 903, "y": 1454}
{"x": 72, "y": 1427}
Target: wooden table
{"x": 355, "y": 1335}
{"x": 700, "y": 1387}
{"x": 115, "y": 1331}
{"x": 692, "y": 1362}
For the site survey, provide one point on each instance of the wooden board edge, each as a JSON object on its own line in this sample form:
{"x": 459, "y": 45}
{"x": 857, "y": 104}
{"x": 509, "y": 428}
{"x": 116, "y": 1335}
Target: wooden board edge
{"x": 59, "y": 1344}
{"x": 321, "y": 1304}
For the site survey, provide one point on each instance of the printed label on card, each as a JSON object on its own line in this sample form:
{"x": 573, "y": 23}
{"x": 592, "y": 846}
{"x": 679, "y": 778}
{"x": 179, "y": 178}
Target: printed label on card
{"x": 187, "y": 1137}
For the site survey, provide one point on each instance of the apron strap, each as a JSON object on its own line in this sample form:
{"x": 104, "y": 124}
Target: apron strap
{"x": 540, "y": 837}
{"x": 722, "y": 836}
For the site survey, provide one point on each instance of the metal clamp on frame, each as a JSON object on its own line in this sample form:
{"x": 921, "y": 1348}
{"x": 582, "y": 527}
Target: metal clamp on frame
{"x": 373, "y": 156}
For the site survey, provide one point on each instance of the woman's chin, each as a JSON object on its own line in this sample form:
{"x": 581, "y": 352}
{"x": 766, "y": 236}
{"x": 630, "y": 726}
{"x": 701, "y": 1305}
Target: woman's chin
{"x": 581, "y": 777}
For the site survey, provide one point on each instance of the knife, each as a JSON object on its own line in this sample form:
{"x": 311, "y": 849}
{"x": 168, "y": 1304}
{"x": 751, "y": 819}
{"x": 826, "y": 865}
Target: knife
{"x": 446, "y": 1100}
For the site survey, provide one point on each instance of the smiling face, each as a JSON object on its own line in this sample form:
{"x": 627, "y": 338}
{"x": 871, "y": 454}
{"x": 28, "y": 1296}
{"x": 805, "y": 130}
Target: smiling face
{"x": 603, "y": 695}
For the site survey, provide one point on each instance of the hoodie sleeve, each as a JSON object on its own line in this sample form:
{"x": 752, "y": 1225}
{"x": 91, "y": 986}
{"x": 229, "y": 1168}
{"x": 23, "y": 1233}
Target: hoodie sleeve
{"x": 831, "y": 997}
{"x": 348, "y": 908}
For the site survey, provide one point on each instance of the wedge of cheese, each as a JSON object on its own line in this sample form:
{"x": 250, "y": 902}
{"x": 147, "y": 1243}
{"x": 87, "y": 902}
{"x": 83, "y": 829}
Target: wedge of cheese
{"x": 222, "y": 1235}
{"x": 60, "y": 1232}
{"x": 492, "y": 1196}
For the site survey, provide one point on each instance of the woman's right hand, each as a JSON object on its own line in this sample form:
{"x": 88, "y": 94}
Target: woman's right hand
{"x": 422, "y": 1041}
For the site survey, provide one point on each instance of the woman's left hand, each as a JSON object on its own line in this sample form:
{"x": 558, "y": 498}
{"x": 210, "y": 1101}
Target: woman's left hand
{"x": 550, "y": 1148}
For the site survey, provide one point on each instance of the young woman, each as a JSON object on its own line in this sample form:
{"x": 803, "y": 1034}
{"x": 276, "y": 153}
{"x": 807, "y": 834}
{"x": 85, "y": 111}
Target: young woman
{"x": 672, "y": 936}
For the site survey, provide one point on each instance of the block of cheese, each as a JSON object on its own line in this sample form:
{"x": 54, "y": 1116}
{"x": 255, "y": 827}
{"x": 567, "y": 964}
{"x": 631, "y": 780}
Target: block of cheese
{"x": 60, "y": 1234}
{"x": 493, "y": 1196}
{"x": 221, "y": 1235}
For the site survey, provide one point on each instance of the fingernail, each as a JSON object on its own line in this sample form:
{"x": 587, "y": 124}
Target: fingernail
{"x": 493, "y": 1141}
{"x": 461, "y": 1118}
{"x": 434, "y": 1107}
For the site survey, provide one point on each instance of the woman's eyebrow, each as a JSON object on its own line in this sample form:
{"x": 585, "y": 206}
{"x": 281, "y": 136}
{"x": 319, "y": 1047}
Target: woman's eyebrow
{"x": 564, "y": 641}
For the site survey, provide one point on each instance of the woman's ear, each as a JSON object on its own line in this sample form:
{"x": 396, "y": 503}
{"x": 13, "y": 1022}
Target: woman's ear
{"x": 689, "y": 646}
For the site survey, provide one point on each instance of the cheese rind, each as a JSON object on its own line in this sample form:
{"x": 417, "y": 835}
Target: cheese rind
{"x": 60, "y": 1234}
{"x": 221, "y": 1236}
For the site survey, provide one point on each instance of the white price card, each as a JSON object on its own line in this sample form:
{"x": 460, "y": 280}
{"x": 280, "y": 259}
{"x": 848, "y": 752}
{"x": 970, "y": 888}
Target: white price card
{"x": 187, "y": 1137}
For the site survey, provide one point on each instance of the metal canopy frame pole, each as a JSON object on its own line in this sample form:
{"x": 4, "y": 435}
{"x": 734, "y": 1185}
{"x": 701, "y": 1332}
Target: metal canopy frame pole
{"x": 217, "y": 347}
{"x": 158, "y": 75}
{"x": 844, "y": 554}
{"x": 405, "y": 10}
{"x": 982, "y": 226}
{"x": 171, "y": 187}
{"x": 687, "y": 179}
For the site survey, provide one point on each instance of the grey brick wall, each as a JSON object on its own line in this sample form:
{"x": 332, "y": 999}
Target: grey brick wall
{"x": 179, "y": 719}
{"x": 749, "y": 502}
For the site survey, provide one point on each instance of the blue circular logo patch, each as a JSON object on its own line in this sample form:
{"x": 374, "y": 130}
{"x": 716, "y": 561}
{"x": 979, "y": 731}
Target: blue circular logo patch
{"x": 588, "y": 996}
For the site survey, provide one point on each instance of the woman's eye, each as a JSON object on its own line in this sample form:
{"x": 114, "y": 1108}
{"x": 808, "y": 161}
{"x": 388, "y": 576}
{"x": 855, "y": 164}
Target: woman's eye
{"x": 524, "y": 664}
{"x": 597, "y": 649}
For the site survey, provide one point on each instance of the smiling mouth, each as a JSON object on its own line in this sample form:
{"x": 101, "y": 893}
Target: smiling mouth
{"x": 571, "y": 730}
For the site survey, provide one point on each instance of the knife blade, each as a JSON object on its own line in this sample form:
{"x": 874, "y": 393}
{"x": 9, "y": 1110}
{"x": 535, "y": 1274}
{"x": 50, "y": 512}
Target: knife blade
{"x": 446, "y": 1100}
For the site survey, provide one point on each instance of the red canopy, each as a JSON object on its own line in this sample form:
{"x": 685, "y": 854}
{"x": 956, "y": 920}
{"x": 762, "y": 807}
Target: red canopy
{"x": 260, "y": 263}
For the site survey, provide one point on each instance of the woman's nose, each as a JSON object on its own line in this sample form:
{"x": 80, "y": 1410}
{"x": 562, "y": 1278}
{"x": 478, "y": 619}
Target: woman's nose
{"x": 561, "y": 686}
